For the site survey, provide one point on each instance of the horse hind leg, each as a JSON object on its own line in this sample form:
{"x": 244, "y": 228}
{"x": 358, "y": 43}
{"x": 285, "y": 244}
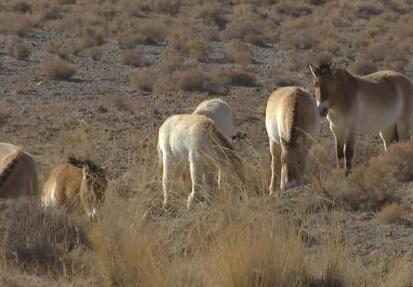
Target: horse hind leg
{"x": 402, "y": 128}
{"x": 389, "y": 136}
{"x": 196, "y": 172}
{"x": 167, "y": 172}
{"x": 273, "y": 151}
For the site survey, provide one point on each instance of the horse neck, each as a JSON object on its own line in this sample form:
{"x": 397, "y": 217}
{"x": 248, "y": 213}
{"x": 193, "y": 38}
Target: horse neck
{"x": 346, "y": 89}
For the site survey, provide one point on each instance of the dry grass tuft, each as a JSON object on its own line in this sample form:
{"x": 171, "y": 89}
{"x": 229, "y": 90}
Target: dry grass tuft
{"x": 238, "y": 52}
{"x": 59, "y": 69}
{"x": 372, "y": 184}
{"x": 391, "y": 213}
{"x": 95, "y": 53}
{"x": 18, "y": 49}
{"x": 35, "y": 239}
{"x": 145, "y": 79}
{"x": 22, "y": 7}
{"x": 22, "y": 88}
{"x": 118, "y": 102}
{"x": 241, "y": 77}
{"x": 134, "y": 58}
{"x": 56, "y": 49}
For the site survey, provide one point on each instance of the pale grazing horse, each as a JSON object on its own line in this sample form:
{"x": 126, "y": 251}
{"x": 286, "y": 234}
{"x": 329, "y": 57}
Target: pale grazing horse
{"x": 220, "y": 112}
{"x": 292, "y": 121}
{"x": 195, "y": 141}
{"x": 381, "y": 102}
{"x": 76, "y": 182}
{"x": 18, "y": 172}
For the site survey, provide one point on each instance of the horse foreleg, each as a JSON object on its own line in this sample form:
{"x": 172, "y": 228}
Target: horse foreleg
{"x": 340, "y": 140}
{"x": 349, "y": 151}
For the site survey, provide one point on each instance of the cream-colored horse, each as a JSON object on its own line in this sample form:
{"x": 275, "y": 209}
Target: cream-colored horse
{"x": 74, "y": 181}
{"x": 381, "y": 102}
{"x": 220, "y": 112}
{"x": 193, "y": 140}
{"x": 292, "y": 121}
{"x": 18, "y": 172}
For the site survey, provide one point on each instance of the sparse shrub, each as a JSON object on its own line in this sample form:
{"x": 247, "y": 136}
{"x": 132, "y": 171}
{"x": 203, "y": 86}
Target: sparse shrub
{"x": 171, "y": 60}
{"x": 366, "y": 11}
{"x": 398, "y": 161}
{"x": 247, "y": 30}
{"x": 19, "y": 49}
{"x": 240, "y": 77}
{"x": 59, "y": 69}
{"x": 22, "y": 7}
{"x": 22, "y": 88}
{"x": 5, "y": 114}
{"x": 55, "y": 48}
{"x": 295, "y": 9}
{"x": 238, "y": 52}
{"x": 118, "y": 102}
{"x": 67, "y": 2}
{"x": 92, "y": 37}
{"x": 20, "y": 25}
{"x": 191, "y": 80}
{"x": 391, "y": 213}
{"x": 95, "y": 53}
{"x": 370, "y": 186}
{"x": 134, "y": 58}
{"x": 197, "y": 49}
{"x": 145, "y": 79}
{"x": 144, "y": 31}
{"x": 187, "y": 42}
{"x": 35, "y": 238}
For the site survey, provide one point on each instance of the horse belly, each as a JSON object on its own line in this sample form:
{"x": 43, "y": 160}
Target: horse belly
{"x": 373, "y": 121}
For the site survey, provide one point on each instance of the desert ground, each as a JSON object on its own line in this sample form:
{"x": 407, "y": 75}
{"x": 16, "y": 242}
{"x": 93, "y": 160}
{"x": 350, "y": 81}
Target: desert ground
{"x": 95, "y": 79}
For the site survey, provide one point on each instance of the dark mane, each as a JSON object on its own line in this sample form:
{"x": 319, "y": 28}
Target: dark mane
{"x": 93, "y": 167}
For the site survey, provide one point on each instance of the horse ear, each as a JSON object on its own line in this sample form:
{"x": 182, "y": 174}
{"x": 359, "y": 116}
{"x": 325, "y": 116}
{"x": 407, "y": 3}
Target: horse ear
{"x": 314, "y": 70}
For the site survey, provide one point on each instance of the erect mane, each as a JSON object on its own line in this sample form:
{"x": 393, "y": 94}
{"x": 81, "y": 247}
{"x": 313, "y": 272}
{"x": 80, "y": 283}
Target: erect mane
{"x": 93, "y": 167}
{"x": 326, "y": 67}
{"x": 11, "y": 163}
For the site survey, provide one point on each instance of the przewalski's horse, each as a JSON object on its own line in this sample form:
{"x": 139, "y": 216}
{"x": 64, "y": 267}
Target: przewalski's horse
{"x": 194, "y": 140}
{"x": 18, "y": 172}
{"x": 380, "y": 102}
{"x": 292, "y": 121}
{"x": 220, "y": 112}
{"x": 74, "y": 181}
